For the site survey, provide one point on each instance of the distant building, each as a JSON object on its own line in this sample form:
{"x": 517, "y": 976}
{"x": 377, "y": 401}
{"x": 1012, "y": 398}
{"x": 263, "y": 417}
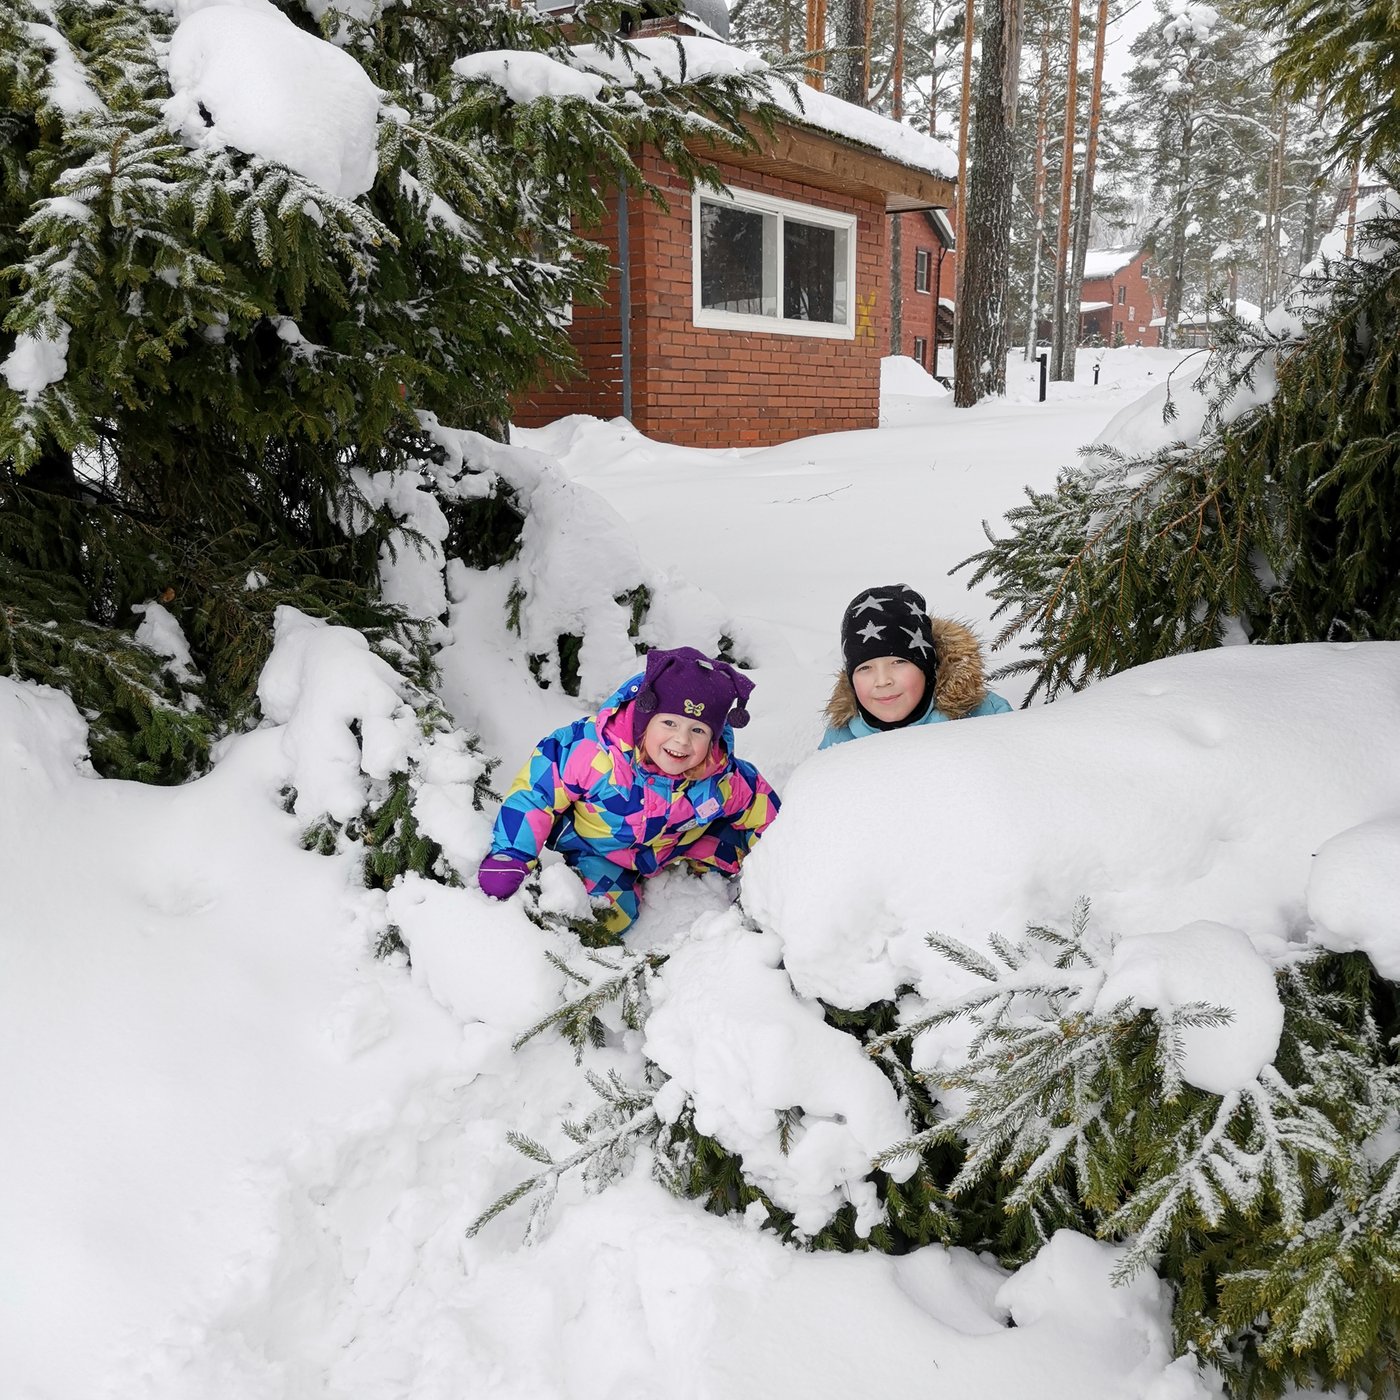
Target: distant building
{"x": 1116, "y": 306}
{"x": 762, "y": 313}
{"x": 926, "y": 287}
{"x": 1195, "y": 330}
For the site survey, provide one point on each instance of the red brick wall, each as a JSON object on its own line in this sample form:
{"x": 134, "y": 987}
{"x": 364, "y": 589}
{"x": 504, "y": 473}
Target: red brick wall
{"x": 704, "y": 387}
{"x": 1128, "y": 320}
{"x": 921, "y": 308}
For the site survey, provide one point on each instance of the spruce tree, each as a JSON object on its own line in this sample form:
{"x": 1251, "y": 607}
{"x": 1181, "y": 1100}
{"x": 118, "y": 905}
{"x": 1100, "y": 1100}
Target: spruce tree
{"x": 235, "y": 345}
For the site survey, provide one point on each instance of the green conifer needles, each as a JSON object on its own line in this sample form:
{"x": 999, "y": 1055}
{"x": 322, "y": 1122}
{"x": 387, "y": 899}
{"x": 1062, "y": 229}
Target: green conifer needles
{"x": 1277, "y": 524}
{"x": 206, "y": 350}
{"x": 1269, "y": 1207}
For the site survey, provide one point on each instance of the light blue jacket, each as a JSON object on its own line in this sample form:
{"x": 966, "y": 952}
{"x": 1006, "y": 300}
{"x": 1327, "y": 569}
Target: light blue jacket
{"x": 959, "y": 688}
{"x": 857, "y": 728}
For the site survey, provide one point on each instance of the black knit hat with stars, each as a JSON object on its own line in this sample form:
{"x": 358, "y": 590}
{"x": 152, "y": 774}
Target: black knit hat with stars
{"x": 890, "y": 621}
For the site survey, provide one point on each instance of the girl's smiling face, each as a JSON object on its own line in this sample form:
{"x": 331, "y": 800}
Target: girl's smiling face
{"x": 889, "y": 687}
{"x": 675, "y": 743}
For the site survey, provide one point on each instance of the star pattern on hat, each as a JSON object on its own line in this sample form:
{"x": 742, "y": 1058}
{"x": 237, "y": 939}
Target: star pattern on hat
{"x": 916, "y": 639}
{"x": 870, "y": 632}
{"x": 870, "y": 601}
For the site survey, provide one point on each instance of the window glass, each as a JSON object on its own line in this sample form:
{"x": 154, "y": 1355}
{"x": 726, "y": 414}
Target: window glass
{"x": 920, "y": 349}
{"x": 738, "y": 260}
{"x": 814, "y": 272}
{"x": 921, "y": 261}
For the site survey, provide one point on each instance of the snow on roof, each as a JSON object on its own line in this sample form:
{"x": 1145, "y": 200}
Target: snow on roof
{"x": 1093, "y": 306}
{"x": 1243, "y": 311}
{"x": 1104, "y": 262}
{"x": 944, "y": 225}
{"x": 890, "y": 138}
{"x": 526, "y": 76}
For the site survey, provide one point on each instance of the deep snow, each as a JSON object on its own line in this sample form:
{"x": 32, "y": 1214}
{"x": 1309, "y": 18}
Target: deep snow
{"x": 245, "y": 1152}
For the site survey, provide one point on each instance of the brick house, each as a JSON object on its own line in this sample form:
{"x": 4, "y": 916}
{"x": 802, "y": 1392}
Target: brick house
{"x": 1116, "y": 302}
{"x": 926, "y": 287}
{"x": 759, "y": 314}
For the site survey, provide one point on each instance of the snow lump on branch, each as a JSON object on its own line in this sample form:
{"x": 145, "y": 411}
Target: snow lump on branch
{"x": 243, "y": 75}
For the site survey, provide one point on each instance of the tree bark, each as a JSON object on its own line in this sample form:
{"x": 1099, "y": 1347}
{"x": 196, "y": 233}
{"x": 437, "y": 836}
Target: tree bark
{"x": 1086, "y": 188}
{"x": 845, "y": 74}
{"x": 816, "y": 40}
{"x": 979, "y": 363}
{"x": 1042, "y": 127}
{"x": 964, "y": 119}
{"x": 1176, "y": 270}
{"x": 1065, "y": 295}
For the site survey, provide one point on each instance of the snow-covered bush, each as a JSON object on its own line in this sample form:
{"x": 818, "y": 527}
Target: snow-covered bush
{"x": 250, "y": 248}
{"x": 1246, "y": 504}
{"x": 1197, "y": 1068}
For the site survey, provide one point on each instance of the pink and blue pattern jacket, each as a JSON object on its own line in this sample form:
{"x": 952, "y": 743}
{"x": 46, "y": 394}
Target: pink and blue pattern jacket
{"x": 584, "y": 794}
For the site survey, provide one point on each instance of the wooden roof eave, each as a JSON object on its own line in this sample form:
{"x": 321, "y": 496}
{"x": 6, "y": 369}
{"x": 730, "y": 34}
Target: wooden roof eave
{"x": 829, "y": 162}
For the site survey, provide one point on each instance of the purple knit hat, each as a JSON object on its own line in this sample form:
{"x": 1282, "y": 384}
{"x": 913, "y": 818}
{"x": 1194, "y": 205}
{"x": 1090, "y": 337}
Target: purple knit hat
{"x": 684, "y": 681}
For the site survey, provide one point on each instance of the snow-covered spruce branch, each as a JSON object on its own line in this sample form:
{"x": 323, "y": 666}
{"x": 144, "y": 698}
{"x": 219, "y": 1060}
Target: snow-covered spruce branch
{"x": 603, "y": 1153}
{"x": 623, "y": 979}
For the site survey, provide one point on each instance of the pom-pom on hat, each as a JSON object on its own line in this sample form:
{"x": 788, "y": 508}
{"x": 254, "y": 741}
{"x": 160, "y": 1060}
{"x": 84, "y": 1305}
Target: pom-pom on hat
{"x": 890, "y": 621}
{"x": 684, "y": 681}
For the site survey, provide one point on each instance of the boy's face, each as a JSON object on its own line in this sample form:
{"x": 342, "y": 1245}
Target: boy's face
{"x": 889, "y": 687}
{"x": 675, "y": 743}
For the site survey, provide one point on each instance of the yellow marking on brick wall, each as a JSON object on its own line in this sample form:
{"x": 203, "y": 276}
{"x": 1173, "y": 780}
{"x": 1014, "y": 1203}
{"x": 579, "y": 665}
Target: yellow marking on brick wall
{"x": 865, "y": 317}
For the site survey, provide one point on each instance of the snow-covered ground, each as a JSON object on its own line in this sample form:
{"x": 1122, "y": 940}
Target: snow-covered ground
{"x": 241, "y": 1154}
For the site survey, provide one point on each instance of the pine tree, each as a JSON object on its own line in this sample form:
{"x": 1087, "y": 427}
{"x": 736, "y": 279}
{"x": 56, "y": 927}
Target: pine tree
{"x": 1198, "y": 94}
{"x": 1277, "y": 522}
{"x": 983, "y": 306}
{"x": 238, "y": 344}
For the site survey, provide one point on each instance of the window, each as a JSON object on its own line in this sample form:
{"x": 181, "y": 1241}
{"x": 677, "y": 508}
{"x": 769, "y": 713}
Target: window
{"x": 1132, "y": 313}
{"x": 921, "y": 350}
{"x": 766, "y": 264}
{"x": 1122, "y": 292}
{"x": 921, "y": 265}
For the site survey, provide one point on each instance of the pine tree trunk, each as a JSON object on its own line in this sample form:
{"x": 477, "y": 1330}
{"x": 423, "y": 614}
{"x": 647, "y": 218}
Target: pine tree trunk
{"x": 980, "y": 361}
{"x": 846, "y": 72}
{"x": 933, "y": 80}
{"x": 897, "y": 101}
{"x": 1176, "y": 257}
{"x": 1086, "y": 189}
{"x": 1066, "y": 295}
{"x": 816, "y": 40}
{"x": 1042, "y": 128}
{"x": 1351, "y": 209}
{"x": 964, "y": 118}
{"x": 1309, "y": 238}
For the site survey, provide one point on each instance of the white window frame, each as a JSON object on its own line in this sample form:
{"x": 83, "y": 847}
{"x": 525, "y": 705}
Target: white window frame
{"x": 924, "y": 256}
{"x": 709, "y": 318}
{"x": 920, "y": 350}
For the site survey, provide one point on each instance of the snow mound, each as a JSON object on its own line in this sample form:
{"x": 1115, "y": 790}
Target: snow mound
{"x": 733, "y": 1037}
{"x": 900, "y": 374}
{"x": 1206, "y": 964}
{"x": 243, "y": 75}
{"x": 1354, "y": 893}
{"x": 1195, "y": 788}
{"x": 636, "y": 1294}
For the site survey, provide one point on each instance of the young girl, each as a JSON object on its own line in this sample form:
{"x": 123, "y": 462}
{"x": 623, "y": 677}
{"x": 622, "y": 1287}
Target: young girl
{"x": 649, "y": 779}
{"x": 903, "y": 668}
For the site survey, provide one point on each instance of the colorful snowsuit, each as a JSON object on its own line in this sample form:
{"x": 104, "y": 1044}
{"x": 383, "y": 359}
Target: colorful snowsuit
{"x": 616, "y": 821}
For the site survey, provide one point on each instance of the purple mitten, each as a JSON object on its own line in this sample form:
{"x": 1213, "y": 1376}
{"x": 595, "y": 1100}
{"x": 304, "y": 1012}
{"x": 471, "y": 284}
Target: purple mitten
{"x": 501, "y": 876}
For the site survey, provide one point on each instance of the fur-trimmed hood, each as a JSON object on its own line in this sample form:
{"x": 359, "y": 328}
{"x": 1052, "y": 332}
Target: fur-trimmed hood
{"x": 960, "y": 684}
